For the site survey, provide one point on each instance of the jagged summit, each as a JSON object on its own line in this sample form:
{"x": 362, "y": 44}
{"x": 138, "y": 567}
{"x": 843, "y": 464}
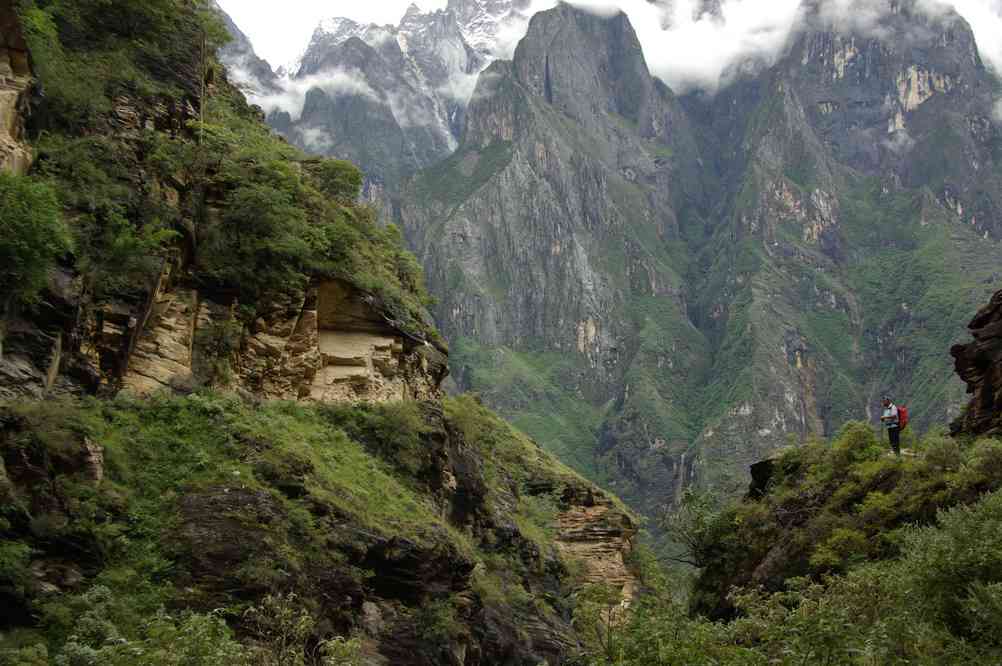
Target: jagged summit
{"x": 485, "y": 22}
{"x": 724, "y": 271}
{"x": 392, "y": 98}
{"x": 574, "y": 59}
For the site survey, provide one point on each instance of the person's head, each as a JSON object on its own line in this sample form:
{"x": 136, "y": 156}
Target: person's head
{"x": 886, "y": 401}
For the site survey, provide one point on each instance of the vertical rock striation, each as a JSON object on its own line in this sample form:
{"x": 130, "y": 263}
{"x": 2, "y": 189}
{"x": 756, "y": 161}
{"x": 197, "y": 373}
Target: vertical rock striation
{"x": 979, "y": 364}
{"x": 15, "y": 81}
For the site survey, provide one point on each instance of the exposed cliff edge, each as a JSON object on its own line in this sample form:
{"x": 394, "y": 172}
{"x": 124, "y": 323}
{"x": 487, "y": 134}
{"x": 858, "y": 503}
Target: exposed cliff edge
{"x": 15, "y": 81}
{"x": 979, "y": 364}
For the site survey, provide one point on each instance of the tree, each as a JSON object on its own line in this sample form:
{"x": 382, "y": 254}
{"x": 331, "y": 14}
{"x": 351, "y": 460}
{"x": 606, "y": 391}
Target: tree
{"x": 690, "y": 526}
{"x": 33, "y": 236}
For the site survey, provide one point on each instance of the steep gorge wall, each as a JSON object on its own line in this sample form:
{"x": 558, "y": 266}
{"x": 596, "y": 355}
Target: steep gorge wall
{"x": 979, "y": 364}
{"x": 665, "y": 290}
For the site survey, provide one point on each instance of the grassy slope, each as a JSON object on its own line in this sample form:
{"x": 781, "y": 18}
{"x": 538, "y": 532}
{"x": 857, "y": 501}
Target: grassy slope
{"x": 339, "y": 478}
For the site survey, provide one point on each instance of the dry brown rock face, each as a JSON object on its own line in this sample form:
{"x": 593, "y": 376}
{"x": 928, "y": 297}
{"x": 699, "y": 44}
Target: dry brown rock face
{"x": 593, "y": 531}
{"x": 15, "y": 80}
{"x": 979, "y": 364}
{"x": 330, "y": 346}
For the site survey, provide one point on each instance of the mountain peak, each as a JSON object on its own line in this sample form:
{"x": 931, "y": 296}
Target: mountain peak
{"x": 577, "y": 59}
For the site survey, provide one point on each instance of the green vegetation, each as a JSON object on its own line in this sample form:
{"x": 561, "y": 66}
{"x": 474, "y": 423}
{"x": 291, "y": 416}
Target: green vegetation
{"x": 915, "y": 300}
{"x": 228, "y": 520}
{"x": 850, "y": 557}
{"x": 156, "y": 159}
{"x": 836, "y": 505}
{"x": 35, "y": 236}
{"x": 529, "y": 389}
{"x": 454, "y": 179}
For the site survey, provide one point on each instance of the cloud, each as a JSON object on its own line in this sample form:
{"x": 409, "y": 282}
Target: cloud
{"x": 900, "y": 143}
{"x": 459, "y": 88}
{"x": 411, "y": 110}
{"x": 292, "y": 96}
{"x": 315, "y": 140}
{"x": 513, "y": 28}
{"x": 689, "y": 48}
{"x": 985, "y": 17}
{"x": 487, "y": 85}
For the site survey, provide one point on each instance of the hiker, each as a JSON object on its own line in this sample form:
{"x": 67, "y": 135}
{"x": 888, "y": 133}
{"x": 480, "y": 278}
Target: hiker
{"x": 891, "y": 420}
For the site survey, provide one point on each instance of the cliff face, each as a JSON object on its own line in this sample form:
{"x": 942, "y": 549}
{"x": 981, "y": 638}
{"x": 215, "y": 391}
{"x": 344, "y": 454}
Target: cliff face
{"x": 15, "y": 79}
{"x": 332, "y": 346}
{"x": 551, "y": 233}
{"x": 979, "y": 364}
{"x": 847, "y": 205}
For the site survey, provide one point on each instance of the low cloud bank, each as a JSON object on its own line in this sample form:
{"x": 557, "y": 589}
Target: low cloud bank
{"x": 689, "y": 48}
{"x": 292, "y": 96}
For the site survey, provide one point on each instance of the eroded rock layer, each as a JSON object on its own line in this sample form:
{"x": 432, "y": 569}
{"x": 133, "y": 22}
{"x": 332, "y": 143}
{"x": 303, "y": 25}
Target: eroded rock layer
{"x": 15, "y": 80}
{"x": 331, "y": 346}
{"x": 979, "y": 364}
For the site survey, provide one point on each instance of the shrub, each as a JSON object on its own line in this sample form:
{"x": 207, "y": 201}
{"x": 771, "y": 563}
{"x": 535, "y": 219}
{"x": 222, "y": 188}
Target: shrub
{"x": 102, "y": 634}
{"x": 285, "y": 630}
{"x": 337, "y": 179}
{"x": 33, "y": 236}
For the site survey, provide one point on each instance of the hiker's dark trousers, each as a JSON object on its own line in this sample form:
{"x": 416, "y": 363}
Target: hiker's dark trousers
{"x": 894, "y": 434}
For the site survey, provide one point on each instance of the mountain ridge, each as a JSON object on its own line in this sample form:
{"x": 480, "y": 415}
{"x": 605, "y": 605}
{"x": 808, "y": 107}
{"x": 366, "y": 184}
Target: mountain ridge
{"x": 619, "y": 296}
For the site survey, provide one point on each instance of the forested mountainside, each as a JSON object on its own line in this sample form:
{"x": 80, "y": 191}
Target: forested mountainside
{"x": 663, "y": 289}
{"x": 222, "y": 434}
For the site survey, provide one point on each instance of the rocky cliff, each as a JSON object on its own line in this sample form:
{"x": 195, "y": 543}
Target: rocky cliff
{"x": 172, "y": 328}
{"x": 15, "y": 80}
{"x": 978, "y": 364}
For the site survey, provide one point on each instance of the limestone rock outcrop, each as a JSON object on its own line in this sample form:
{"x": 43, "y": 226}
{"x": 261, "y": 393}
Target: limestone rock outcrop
{"x": 15, "y": 81}
{"x": 979, "y": 364}
{"x": 334, "y": 345}
{"x": 595, "y": 532}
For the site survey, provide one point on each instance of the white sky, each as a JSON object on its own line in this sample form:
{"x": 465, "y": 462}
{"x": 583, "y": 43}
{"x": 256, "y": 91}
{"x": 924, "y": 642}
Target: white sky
{"x": 691, "y": 53}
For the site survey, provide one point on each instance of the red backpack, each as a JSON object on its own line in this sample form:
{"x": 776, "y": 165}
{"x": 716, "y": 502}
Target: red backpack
{"x": 902, "y": 417}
